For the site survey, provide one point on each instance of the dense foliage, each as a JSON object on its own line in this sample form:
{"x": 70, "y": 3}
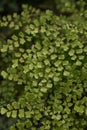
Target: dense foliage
{"x": 43, "y": 71}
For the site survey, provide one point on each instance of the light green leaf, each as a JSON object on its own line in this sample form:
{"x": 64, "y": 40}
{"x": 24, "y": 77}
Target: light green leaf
{"x": 46, "y": 62}
{"x": 14, "y": 37}
{"x": 73, "y": 57}
{"x": 38, "y": 45}
{"x": 85, "y": 49}
{"x": 16, "y": 44}
{"x": 53, "y": 57}
{"x": 66, "y": 73}
{"x": 81, "y": 57}
{"x": 56, "y": 79}
{"x": 11, "y": 25}
{"x": 57, "y": 63}
{"x": 60, "y": 68}
{"x": 22, "y": 41}
{"x": 20, "y": 126}
{"x": 12, "y": 128}
{"x": 66, "y": 62}
{"x": 3, "y": 110}
{"x": 47, "y": 70}
{"x": 79, "y": 51}
{"x": 14, "y": 113}
{"x": 44, "y": 90}
{"x": 8, "y": 113}
{"x": 4, "y": 49}
{"x": 39, "y": 65}
{"x": 4, "y": 74}
{"x": 21, "y": 113}
{"x": 28, "y": 124}
{"x": 11, "y": 48}
{"x": 9, "y": 107}
{"x": 61, "y": 57}
{"x": 71, "y": 52}
{"x": 78, "y": 63}
{"x": 17, "y": 54}
{"x": 49, "y": 85}
{"x": 15, "y": 105}
{"x": 27, "y": 114}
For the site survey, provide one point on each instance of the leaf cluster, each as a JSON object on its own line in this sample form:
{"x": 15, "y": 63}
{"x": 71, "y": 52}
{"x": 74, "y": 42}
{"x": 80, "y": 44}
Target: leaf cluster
{"x": 43, "y": 71}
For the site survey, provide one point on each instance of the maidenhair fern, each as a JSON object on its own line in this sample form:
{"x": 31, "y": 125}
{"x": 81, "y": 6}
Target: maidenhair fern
{"x": 43, "y": 71}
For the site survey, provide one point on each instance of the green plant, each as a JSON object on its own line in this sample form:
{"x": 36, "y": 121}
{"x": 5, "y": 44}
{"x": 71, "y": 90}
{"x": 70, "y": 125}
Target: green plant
{"x": 43, "y": 71}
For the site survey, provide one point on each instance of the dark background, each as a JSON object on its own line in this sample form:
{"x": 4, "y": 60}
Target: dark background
{"x": 10, "y": 6}
{"x": 58, "y": 6}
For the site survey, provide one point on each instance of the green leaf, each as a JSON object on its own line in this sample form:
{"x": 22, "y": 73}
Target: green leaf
{"x": 79, "y": 109}
{"x": 34, "y": 83}
{"x": 15, "y": 105}
{"x": 10, "y": 77}
{"x": 56, "y": 79}
{"x": 79, "y": 51}
{"x": 44, "y": 90}
{"x": 71, "y": 52}
{"x": 49, "y": 85}
{"x": 44, "y": 81}
{"x": 85, "y": 49}
{"x": 18, "y": 54}
{"x": 50, "y": 75}
{"x": 73, "y": 57}
{"x": 81, "y": 57}
{"x": 21, "y": 113}
{"x": 14, "y": 37}
{"x": 8, "y": 113}
{"x": 20, "y": 126}
{"x": 53, "y": 57}
{"x": 4, "y": 74}
{"x": 43, "y": 29}
{"x": 38, "y": 46}
{"x": 11, "y": 48}
{"x": 11, "y": 25}
{"x": 9, "y": 107}
{"x": 51, "y": 50}
{"x": 31, "y": 66}
{"x": 3, "y": 111}
{"x": 14, "y": 114}
{"x": 22, "y": 41}
{"x": 57, "y": 117}
{"x": 78, "y": 63}
{"x": 46, "y": 62}
{"x": 47, "y": 70}
{"x": 66, "y": 73}
{"x": 67, "y": 110}
{"x": 44, "y": 51}
{"x": 57, "y": 63}
{"x": 60, "y": 68}
{"x": 12, "y": 128}
{"x": 28, "y": 114}
{"x": 4, "y": 49}
{"x": 39, "y": 65}
{"x": 66, "y": 62}
{"x": 61, "y": 57}
{"x": 65, "y": 48}
{"x": 28, "y": 124}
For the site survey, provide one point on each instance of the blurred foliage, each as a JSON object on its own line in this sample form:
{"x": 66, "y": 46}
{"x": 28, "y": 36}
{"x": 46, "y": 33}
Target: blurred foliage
{"x": 58, "y": 6}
